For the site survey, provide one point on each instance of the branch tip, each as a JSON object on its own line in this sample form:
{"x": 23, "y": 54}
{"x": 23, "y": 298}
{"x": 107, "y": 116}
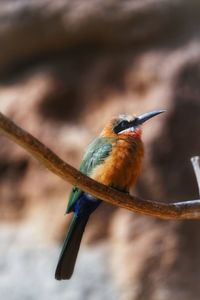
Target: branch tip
{"x": 196, "y": 167}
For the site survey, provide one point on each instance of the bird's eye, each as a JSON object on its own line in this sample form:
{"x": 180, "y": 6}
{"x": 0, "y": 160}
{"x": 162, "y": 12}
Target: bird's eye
{"x": 121, "y": 126}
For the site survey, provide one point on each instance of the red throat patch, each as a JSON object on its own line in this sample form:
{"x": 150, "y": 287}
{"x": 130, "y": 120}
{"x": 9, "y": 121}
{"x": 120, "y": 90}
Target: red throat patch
{"x": 136, "y": 133}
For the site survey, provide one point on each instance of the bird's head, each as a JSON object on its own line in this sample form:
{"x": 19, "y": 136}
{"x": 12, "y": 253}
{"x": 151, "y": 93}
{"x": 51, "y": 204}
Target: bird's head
{"x": 128, "y": 125}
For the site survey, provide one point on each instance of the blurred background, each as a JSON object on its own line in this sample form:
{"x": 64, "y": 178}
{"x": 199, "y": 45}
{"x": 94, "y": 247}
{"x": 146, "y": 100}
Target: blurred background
{"x": 66, "y": 67}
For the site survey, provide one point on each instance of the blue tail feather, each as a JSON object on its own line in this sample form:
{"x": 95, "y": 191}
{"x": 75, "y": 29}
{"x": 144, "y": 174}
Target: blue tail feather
{"x": 84, "y": 206}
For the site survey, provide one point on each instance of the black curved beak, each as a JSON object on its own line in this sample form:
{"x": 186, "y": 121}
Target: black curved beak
{"x": 145, "y": 117}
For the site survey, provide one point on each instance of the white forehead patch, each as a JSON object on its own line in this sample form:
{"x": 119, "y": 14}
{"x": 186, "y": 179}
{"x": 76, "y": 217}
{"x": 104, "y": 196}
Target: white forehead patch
{"x": 126, "y": 117}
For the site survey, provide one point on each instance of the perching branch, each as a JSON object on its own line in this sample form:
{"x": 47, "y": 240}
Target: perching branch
{"x": 178, "y": 210}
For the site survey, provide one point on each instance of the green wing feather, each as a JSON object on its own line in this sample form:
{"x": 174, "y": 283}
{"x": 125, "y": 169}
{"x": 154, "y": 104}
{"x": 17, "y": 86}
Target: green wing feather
{"x": 95, "y": 155}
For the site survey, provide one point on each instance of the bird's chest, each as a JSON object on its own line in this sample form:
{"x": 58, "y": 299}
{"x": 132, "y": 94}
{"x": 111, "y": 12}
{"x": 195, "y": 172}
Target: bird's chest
{"x": 122, "y": 167}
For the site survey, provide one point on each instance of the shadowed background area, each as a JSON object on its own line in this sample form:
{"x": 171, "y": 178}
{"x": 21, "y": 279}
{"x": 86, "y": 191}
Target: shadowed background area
{"x": 66, "y": 67}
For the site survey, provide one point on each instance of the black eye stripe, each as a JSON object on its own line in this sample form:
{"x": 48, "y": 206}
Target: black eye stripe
{"x": 121, "y": 126}
{"x": 124, "y": 124}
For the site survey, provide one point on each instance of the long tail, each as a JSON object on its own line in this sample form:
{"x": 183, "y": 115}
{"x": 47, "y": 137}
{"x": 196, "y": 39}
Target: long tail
{"x": 70, "y": 248}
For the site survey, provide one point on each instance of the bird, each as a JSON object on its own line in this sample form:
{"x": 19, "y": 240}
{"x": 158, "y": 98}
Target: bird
{"x": 114, "y": 159}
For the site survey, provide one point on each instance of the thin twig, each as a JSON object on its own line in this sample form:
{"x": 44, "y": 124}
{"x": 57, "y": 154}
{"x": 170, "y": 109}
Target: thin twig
{"x": 178, "y": 210}
{"x": 196, "y": 167}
